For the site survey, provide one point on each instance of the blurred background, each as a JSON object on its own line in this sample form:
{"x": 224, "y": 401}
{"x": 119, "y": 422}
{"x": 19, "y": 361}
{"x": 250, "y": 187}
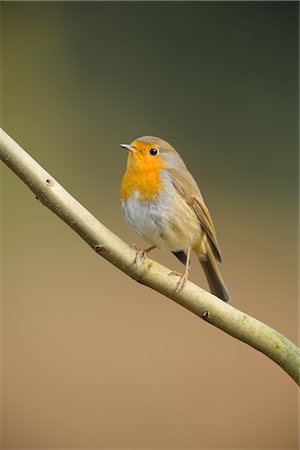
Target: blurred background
{"x": 91, "y": 358}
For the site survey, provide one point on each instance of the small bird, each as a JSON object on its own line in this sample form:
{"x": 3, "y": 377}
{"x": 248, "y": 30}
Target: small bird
{"x": 162, "y": 202}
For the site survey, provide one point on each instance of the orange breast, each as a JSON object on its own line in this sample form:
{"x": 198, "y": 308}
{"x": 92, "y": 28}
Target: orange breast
{"x": 146, "y": 183}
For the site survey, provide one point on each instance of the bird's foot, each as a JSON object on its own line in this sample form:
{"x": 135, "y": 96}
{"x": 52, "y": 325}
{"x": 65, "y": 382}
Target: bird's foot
{"x": 174, "y": 272}
{"x": 182, "y": 280}
{"x": 140, "y": 253}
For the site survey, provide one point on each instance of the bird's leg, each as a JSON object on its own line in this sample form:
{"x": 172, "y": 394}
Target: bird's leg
{"x": 184, "y": 277}
{"x": 141, "y": 254}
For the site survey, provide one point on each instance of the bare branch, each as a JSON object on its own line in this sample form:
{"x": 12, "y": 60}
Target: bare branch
{"x": 150, "y": 273}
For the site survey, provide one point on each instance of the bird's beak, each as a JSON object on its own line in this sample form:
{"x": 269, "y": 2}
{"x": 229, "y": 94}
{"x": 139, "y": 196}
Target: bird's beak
{"x": 128, "y": 147}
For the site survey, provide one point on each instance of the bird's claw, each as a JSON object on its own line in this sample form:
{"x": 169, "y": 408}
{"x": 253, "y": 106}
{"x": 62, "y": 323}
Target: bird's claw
{"x": 181, "y": 282}
{"x": 140, "y": 254}
{"x": 174, "y": 272}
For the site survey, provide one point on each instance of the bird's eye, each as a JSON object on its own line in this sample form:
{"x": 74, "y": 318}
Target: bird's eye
{"x": 153, "y": 151}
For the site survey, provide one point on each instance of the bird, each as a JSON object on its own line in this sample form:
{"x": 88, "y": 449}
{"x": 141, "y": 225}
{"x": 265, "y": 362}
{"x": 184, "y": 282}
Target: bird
{"x": 163, "y": 204}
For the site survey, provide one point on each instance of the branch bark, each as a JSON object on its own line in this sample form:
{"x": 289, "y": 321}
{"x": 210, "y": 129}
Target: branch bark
{"x": 150, "y": 273}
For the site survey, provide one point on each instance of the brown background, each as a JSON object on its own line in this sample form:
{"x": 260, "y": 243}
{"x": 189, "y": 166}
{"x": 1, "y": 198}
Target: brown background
{"x": 90, "y": 358}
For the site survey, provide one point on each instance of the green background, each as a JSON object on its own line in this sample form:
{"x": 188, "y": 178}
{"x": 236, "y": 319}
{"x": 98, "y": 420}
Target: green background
{"x": 90, "y": 358}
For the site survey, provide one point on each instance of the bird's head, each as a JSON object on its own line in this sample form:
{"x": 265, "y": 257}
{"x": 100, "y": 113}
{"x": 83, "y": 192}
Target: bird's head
{"x": 150, "y": 152}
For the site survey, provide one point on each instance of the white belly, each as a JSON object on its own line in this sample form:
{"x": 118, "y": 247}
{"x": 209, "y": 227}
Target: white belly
{"x": 161, "y": 223}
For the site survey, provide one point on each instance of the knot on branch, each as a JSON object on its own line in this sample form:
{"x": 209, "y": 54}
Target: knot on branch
{"x": 206, "y": 315}
{"x": 98, "y": 248}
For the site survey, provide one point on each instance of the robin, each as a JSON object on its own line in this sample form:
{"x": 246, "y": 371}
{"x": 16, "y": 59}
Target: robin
{"x": 162, "y": 202}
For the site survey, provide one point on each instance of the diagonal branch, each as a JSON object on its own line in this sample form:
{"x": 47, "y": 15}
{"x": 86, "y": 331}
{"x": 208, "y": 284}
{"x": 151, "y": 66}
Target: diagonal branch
{"x": 150, "y": 273}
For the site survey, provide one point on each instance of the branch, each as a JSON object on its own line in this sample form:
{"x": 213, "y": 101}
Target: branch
{"x": 150, "y": 273}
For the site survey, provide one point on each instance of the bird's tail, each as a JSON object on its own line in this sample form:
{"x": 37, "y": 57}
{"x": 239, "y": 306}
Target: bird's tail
{"x": 214, "y": 278}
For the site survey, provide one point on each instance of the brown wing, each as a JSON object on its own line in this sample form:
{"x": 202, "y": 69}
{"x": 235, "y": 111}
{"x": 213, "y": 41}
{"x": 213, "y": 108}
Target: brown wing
{"x": 186, "y": 186}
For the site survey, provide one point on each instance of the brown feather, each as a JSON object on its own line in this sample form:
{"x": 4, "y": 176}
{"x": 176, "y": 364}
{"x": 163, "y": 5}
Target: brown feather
{"x": 186, "y": 186}
{"x": 214, "y": 278}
